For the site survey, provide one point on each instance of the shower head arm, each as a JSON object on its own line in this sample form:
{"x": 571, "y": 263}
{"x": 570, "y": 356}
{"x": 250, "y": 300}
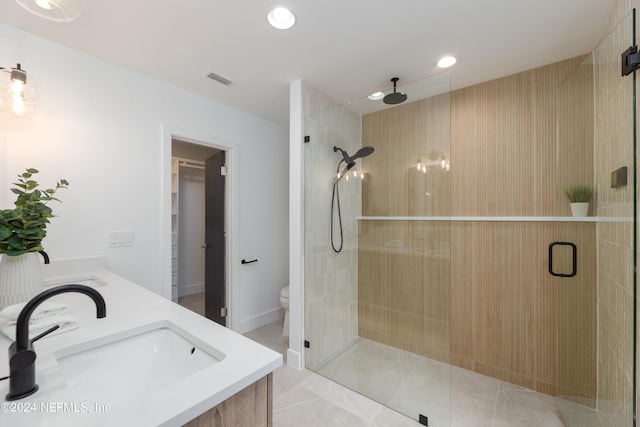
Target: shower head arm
{"x": 345, "y": 155}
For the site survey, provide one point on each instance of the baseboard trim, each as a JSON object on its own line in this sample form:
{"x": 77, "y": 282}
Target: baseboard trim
{"x": 258, "y": 320}
{"x": 186, "y": 290}
{"x": 294, "y": 360}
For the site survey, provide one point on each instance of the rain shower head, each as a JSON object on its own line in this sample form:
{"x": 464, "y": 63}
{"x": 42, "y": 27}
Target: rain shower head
{"x": 395, "y": 97}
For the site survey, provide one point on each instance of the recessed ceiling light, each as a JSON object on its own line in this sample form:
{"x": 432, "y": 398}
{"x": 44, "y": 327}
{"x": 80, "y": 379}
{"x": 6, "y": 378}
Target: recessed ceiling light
{"x": 376, "y": 96}
{"x": 281, "y": 18}
{"x": 446, "y": 61}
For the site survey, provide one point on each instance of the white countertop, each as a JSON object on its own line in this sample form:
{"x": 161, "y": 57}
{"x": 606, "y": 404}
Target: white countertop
{"x": 131, "y": 306}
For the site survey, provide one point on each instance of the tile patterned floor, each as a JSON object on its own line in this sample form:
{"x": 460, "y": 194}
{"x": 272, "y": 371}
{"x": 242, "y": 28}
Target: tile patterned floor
{"x": 411, "y": 384}
{"x": 304, "y": 398}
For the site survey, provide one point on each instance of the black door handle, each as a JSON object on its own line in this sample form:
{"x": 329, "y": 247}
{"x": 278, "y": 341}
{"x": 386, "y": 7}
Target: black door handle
{"x": 574, "y": 268}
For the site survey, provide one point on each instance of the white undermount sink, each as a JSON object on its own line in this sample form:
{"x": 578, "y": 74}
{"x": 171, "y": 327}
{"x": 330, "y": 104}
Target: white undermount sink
{"x": 119, "y": 368}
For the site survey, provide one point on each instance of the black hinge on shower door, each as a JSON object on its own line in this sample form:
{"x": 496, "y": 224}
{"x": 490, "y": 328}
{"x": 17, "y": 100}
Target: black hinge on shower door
{"x": 423, "y": 420}
{"x": 630, "y": 60}
{"x": 574, "y": 268}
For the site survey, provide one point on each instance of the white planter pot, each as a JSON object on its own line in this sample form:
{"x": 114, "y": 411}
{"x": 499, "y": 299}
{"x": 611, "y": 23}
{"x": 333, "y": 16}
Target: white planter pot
{"x": 579, "y": 209}
{"x": 20, "y": 278}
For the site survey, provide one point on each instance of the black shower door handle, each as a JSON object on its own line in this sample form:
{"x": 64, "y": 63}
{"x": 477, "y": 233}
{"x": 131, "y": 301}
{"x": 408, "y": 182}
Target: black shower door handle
{"x": 574, "y": 268}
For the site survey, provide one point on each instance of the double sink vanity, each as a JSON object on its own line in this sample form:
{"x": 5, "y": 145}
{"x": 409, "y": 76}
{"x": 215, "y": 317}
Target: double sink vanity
{"x": 149, "y": 362}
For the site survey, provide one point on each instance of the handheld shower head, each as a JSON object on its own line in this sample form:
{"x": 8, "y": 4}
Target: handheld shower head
{"x": 363, "y": 152}
{"x": 350, "y": 160}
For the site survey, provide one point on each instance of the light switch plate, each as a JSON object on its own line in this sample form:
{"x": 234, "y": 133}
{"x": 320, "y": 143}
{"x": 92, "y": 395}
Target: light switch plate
{"x": 119, "y": 239}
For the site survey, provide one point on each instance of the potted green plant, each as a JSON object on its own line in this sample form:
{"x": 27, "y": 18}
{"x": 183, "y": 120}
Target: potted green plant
{"x": 579, "y": 197}
{"x": 21, "y": 232}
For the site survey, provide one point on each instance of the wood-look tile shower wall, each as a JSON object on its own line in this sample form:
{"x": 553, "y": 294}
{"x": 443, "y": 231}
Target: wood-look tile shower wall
{"x": 476, "y": 294}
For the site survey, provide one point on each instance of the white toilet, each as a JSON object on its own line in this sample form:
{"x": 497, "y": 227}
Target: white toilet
{"x": 284, "y": 300}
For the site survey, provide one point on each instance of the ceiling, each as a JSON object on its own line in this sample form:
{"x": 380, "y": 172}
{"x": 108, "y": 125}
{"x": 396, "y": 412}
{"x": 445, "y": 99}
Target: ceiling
{"x": 347, "y": 49}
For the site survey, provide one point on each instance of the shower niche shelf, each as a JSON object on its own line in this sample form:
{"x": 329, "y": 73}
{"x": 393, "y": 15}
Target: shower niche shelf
{"x": 494, "y": 218}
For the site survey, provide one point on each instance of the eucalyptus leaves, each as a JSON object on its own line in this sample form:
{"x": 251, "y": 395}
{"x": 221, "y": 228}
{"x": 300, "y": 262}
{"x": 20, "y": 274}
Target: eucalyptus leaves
{"x": 23, "y": 228}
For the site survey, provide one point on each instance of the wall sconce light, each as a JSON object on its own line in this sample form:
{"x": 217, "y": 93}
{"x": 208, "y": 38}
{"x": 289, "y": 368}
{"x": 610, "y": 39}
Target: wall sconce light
{"x": 17, "y": 97}
{"x": 53, "y": 10}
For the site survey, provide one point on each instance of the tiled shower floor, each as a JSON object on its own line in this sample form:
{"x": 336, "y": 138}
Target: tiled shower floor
{"x": 411, "y": 383}
{"x": 449, "y": 396}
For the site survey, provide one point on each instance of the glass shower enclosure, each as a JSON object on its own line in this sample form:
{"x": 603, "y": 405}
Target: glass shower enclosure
{"x": 377, "y": 312}
{"x": 464, "y": 284}
{"x": 595, "y": 280}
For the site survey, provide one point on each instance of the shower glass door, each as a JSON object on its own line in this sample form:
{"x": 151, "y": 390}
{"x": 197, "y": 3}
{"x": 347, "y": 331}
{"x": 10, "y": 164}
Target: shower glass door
{"x": 592, "y": 259}
{"x": 377, "y": 313}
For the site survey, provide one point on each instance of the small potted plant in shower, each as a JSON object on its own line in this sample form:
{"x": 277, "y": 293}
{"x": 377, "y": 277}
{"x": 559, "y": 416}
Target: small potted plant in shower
{"x": 579, "y": 197}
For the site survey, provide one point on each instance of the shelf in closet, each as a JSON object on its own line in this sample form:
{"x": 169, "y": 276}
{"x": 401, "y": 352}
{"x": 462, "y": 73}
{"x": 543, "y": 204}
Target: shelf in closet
{"x": 175, "y": 189}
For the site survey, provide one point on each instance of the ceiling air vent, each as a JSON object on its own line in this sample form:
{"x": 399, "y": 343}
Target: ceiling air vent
{"x": 219, "y": 79}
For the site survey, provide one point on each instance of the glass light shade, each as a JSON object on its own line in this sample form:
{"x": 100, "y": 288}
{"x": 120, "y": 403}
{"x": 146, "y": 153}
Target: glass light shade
{"x": 17, "y": 97}
{"x": 53, "y": 10}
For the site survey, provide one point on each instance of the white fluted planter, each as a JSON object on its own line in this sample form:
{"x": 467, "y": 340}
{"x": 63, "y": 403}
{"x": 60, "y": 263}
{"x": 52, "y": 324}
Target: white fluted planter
{"x": 579, "y": 209}
{"x": 20, "y": 278}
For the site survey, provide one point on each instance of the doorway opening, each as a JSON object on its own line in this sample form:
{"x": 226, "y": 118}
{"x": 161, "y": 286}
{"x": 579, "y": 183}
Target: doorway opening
{"x": 198, "y": 229}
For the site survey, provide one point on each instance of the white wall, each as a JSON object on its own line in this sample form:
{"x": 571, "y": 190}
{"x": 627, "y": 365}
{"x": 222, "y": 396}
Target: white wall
{"x": 191, "y": 225}
{"x": 101, "y": 127}
{"x": 4, "y": 200}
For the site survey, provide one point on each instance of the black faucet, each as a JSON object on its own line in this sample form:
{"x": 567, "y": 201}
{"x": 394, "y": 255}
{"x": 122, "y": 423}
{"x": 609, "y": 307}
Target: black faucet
{"x": 22, "y": 357}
